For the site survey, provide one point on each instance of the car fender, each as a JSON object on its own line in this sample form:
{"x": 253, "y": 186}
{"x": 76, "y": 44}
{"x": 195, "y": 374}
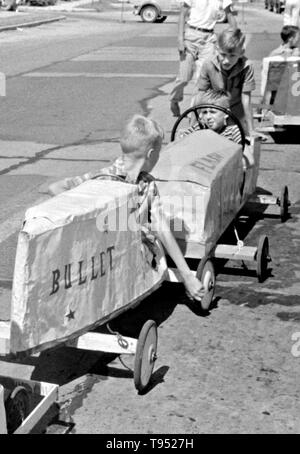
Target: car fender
{"x": 138, "y": 8}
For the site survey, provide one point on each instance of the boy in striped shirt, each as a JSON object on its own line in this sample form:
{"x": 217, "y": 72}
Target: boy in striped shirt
{"x": 213, "y": 118}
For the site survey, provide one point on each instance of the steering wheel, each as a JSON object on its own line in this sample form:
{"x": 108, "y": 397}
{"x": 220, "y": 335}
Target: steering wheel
{"x": 196, "y": 111}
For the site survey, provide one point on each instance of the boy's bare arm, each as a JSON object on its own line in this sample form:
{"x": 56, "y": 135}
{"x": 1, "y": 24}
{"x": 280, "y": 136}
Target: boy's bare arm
{"x": 193, "y": 286}
{"x": 57, "y": 188}
{"x": 67, "y": 183}
{"x": 246, "y": 101}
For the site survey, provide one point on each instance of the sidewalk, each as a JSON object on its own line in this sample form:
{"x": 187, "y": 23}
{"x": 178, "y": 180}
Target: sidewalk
{"x": 101, "y": 6}
{"x": 30, "y": 16}
{"x": 11, "y": 20}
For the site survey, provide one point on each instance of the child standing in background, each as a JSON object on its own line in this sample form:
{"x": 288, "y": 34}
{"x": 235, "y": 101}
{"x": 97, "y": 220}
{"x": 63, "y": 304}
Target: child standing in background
{"x": 231, "y": 71}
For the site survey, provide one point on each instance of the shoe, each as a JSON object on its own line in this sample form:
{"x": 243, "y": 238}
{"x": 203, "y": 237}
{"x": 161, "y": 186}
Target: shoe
{"x": 174, "y": 106}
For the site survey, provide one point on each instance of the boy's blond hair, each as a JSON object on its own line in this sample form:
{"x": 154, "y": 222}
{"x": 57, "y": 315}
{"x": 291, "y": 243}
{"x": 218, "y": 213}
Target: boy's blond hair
{"x": 217, "y": 97}
{"x": 140, "y": 134}
{"x": 231, "y": 40}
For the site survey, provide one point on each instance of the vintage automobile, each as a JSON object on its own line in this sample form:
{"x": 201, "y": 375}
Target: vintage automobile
{"x": 155, "y": 10}
{"x": 158, "y": 10}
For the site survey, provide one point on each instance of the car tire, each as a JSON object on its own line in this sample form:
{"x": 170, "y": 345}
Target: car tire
{"x": 149, "y": 14}
{"x": 161, "y": 19}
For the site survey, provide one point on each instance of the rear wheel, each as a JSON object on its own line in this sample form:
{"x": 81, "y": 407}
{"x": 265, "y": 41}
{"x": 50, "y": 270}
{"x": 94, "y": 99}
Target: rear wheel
{"x": 17, "y": 408}
{"x": 149, "y": 14}
{"x": 284, "y": 203}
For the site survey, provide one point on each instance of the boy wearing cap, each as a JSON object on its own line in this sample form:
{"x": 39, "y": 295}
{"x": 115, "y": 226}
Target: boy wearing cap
{"x": 213, "y": 118}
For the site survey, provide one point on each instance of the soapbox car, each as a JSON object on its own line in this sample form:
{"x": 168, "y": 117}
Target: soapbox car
{"x": 204, "y": 181}
{"x": 81, "y": 261}
{"x": 280, "y": 90}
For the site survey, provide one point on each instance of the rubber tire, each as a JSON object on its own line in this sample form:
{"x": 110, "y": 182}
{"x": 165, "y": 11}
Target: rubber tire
{"x": 262, "y": 257}
{"x": 161, "y": 19}
{"x": 143, "y": 364}
{"x": 284, "y": 203}
{"x": 153, "y": 14}
{"x": 206, "y": 266}
{"x": 17, "y": 408}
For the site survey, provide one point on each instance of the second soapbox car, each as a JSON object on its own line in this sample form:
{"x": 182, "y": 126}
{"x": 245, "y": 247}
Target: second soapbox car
{"x": 280, "y": 90}
{"x": 204, "y": 181}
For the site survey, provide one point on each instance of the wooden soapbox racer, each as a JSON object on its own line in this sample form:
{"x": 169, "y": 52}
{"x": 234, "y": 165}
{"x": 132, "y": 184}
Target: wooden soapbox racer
{"x": 280, "y": 91}
{"x": 75, "y": 272}
{"x": 210, "y": 167}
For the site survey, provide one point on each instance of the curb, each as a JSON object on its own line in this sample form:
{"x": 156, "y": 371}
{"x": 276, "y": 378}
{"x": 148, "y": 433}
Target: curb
{"x": 31, "y": 24}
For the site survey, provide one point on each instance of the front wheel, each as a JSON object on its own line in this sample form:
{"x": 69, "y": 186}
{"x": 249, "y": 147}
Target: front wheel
{"x": 262, "y": 258}
{"x": 145, "y": 355}
{"x": 284, "y": 204}
{"x": 149, "y": 14}
{"x": 206, "y": 274}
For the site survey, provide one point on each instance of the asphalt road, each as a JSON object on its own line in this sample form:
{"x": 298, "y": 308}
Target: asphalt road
{"x": 70, "y": 86}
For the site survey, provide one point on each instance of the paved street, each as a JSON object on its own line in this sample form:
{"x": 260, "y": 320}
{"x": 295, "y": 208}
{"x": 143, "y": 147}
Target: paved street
{"x": 70, "y": 86}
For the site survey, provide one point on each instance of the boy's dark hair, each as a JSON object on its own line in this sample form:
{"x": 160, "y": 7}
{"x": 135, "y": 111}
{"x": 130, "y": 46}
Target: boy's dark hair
{"x": 288, "y": 31}
{"x": 231, "y": 40}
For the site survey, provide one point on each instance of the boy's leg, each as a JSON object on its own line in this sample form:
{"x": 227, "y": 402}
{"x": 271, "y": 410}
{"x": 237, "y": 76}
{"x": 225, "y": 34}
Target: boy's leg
{"x": 206, "y": 49}
{"x": 185, "y": 73}
{"x": 193, "y": 40}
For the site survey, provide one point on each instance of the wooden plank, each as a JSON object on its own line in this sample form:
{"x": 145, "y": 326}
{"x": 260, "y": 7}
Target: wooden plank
{"x": 4, "y": 338}
{"x": 286, "y": 120}
{"x": 231, "y": 252}
{"x": 271, "y": 129}
{"x": 3, "y": 427}
{"x": 34, "y": 417}
{"x": 109, "y": 343}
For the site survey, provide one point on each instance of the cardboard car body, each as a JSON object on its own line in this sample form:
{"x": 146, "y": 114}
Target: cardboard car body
{"x": 281, "y": 77}
{"x": 80, "y": 261}
{"x": 203, "y": 186}
{"x": 80, "y": 257}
